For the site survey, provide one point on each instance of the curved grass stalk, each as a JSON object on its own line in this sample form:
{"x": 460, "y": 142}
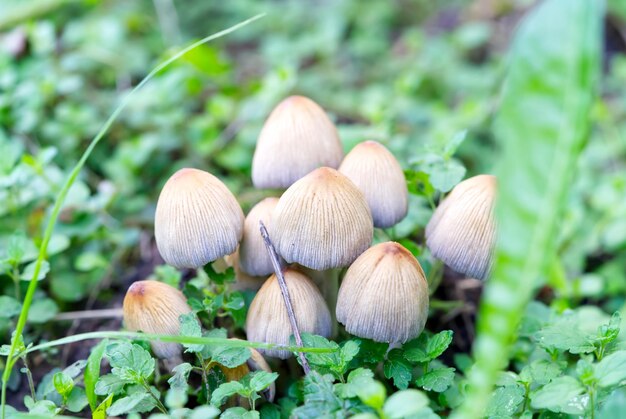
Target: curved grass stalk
{"x": 32, "y": 286}
{"x": 192, "y": 340}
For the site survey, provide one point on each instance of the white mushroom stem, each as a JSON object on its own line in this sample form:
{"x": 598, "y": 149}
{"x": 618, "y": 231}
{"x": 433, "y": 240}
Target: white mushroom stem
{"x": 285, "y": 292}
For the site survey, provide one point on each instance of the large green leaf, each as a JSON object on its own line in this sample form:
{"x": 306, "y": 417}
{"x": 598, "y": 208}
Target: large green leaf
{"x": 541, "y": 127}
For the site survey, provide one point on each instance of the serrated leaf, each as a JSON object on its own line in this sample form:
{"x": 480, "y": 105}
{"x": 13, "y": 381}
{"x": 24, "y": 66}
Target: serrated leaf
{"x": 356, "y": 379}
{"x": 10, "y": 307}
{"x": 611, "y": 370}
{"x": 565, "y": 335}
{"x": 129, "y": 362}
{"x": 405, "y": 403}
{"x": 92, "y": 373}
{"x": 230, "y": 357}
{"x": 180, "y": 377}
{"x": 29, "y": 271}
{"x": 398, "y": 369}
{"x": 437, "y": 380}
{"x": 109, "y": 384}
{"x": 372, "y": 393}
{"x": 319, "y": 397}
{"x": 505, "y": 401}
{"x": 138, "y": 402}
{"x": 224, "y": 391}
{"x": 425, "y": 349}
{"x": 558, "y": 395}
{"x": 260, "y": 380}
{"x": 189, "y": 326}
{"x": 540, "y": 372}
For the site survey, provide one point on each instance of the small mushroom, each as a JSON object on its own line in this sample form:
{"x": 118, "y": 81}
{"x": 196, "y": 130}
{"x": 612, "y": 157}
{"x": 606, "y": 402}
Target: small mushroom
{"x": 197, "y": 220}
{"x": 154, "y": 307}
{"x": 253, "y": 257}
{"x": 256, "y": 362}
{"x": 322, "y": 221}
{"x": 297, "y": 137}
{"x": 267, "y": 319}
{"x": 377, "y": 173}
{"x": 384, "y": 295}
{"x": 462, "y": 231}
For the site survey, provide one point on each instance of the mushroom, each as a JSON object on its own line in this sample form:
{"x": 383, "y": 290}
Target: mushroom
{"x": 297, "y": 137}
{"x": 256, "y": 362}
{"x": 253, "y": 257}
{"x": 462, "y": 231}
{"x": 268, "y": 321}
{"x": 377, "y": 173}
{"x": 322, "y": 221}
{"x": 384, "y": 295}
{"x": 197, "y": 220}
{"x": 154, "y": 307}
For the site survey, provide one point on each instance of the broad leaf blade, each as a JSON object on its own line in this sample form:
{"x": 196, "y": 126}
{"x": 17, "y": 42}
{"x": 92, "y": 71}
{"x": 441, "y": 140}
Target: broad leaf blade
{"x": 541, "y": 127}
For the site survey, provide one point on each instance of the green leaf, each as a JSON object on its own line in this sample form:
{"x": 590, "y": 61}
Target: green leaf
{"x": 319, "y": 397}
{"x": 190, "y": 326}
{"x": 63, "y": 384}
{"x": 372, "y": 393}
{"x": 558, "y": 395}
{"x": 356, "y": 379}
{"x": 397, "y": 368}
{"x": 540, "y": 372}
{"x": 224, "y": 391}
{"x": 239, "y": 413}
{"x": 138, "y": 402}
{"x": 230, "y": 357}
{"x": 29, "y": 271}
{"x": 77, "y": 400}
{"x": 425, "y": 349}
{"x": 542, "y": 124}
{"x": 260, "y": 380}
{"x": 169, "y": 275}
{"x": 181, "y": 376}
{"x": 42, "y": 310}
{"x": 10, "y": 307}
{"x": 565, "y": 335}
{"x": 101, "y": 410}
{"x": 204, "y": 412}
{"x": 92, "y": 373}
{"x": 437, "y": 380}
{"x": 506, "y": 401}
{"x": 109, "y": 384}
{"x": 130, "y": 362}
{"x": 405, "y": 403}
{"x": 327, "y": 359}
{"x": 611, "y": 371}
{"x": 349, "y": 349}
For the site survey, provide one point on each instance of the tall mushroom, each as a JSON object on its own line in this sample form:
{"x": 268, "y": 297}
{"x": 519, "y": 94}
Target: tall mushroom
{"x": 253, "y": 257}
{"x": 154, "y": 307}
{"x": 268, "y": 321}
{"x": 197, "y": 220}
{"x": 462, "y": 231}
{"x": 384, "y": 295}
{"x": 377, "y": 173}
{"x": 297, "y": 137}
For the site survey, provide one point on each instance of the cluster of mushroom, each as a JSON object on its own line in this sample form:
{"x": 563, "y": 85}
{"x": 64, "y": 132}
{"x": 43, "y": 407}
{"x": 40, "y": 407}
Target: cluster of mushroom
{"x": 322, "y": 222}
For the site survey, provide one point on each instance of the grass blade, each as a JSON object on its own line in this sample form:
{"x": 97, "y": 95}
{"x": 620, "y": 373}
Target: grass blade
{"x": 541, "y": 126}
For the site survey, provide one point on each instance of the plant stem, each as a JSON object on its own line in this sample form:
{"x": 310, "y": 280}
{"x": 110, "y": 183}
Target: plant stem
{"x": 29, "y": 377}
{"x": 159, "y": 405}
{"x": 330, "y": 289}
{"x": 32, "y": 286}
{"x": 285, "y": 292}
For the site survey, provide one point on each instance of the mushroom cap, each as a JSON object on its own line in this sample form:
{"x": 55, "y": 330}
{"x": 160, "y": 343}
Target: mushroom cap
{"x": 297, "y": 137}
{"x": 322, "y": 221}
{"x": 462, "y": 231}
{"x": 377, "y": 173}
{"x": 384, "y": 295}
{"x": 197, "y": 220}
{"x": 253, "y": 256}
{"x": 267, "y": 319}
{"x": 154, "y": 307}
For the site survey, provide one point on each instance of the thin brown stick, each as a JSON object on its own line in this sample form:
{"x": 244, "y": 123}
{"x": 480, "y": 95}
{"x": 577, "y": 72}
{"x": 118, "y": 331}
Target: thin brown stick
{"x": 283, "y": 289}
{"x": 107, "y": 313}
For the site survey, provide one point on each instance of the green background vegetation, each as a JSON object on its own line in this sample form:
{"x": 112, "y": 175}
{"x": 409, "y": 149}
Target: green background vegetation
{"x": 424, "y": 78}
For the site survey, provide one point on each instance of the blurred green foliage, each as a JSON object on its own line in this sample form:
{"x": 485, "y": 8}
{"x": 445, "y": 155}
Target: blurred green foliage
{"x": 421, "y": 77}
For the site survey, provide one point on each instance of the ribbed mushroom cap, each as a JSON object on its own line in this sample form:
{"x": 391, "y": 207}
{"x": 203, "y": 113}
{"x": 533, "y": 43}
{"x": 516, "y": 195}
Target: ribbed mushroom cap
{"x": 322, "y": 221}
{"x": 462, "y": 231}
{"x": 197, "y": 220}
{"x": 154, "y": 307}
{"x": 256, "y": 362}
{"x": 253, "y": 256}
{"x": 267, "y": 319}
{"x": 297, "y": 137}
{"x": 377, "y": 173}
{"x": 384, "y": 295}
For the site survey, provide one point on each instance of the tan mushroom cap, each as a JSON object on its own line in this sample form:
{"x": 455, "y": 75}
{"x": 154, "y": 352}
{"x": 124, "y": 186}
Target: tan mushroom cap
{"x": 154, "y": 307}
{"x": 322, "y": 221}
{"x": 377, "y": 173}
{"x": 384, "y": 295}
{"x": 462, "y": 231}
{"x": 197, "y": 220}
{"x": 253, "y": 256}
{"x": 267, "y": 319}
{"x": 297, "y": 137}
